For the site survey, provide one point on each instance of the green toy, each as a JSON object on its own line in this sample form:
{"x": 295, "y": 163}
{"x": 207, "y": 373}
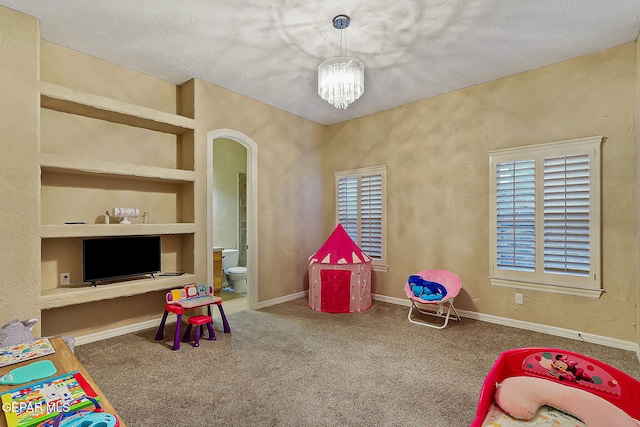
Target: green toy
{"x": 32, "y": 371}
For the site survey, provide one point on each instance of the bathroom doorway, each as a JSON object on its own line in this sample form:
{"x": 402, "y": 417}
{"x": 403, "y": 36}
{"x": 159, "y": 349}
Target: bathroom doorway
{"x": 232, "y": 221}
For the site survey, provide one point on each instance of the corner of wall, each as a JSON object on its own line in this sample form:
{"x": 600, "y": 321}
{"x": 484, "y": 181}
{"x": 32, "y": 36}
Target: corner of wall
{"x": 19, "y": 173}
{"x": 636, "y": 120}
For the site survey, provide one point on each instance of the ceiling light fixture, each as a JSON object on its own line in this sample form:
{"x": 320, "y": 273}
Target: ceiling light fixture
{"x": 341, "y": 78}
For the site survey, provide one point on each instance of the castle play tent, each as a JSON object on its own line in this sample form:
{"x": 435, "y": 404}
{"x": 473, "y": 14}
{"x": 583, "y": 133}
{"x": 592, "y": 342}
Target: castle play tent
{"x": 339, "y": 276}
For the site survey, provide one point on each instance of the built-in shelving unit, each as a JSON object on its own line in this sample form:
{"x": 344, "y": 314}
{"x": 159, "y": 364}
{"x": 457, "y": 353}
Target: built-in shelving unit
{"x": 79, "y": 188}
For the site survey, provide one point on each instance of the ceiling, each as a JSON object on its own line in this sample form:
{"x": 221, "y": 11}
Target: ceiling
{"x": 269, "y": 50}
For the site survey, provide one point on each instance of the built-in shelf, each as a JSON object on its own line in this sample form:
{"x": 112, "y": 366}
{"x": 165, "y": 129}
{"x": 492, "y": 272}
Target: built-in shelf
{"x": 60, "y": 98}
{"x": 108, "y": 181}
{"x": 75, "y": 165}
{"x": 62, "y": 297}
{"x": 98, "y": 230}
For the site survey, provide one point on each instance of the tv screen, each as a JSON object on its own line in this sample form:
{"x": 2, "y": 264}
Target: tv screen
{"x": 108, "y": 258}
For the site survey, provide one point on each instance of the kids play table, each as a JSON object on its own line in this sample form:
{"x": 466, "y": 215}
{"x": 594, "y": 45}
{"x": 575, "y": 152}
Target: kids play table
{"x": 190, "y": 297}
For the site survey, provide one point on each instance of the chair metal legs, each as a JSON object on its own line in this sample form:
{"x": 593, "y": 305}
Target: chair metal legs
{"x": 440, "y": 313}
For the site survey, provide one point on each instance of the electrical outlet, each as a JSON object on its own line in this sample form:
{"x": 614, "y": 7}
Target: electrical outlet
{"x": 519, "y": 299}
{"x": 65, "y": 279}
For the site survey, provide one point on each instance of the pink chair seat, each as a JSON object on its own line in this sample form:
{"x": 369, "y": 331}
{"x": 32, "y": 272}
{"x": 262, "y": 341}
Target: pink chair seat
{"x": 451, "y": 283}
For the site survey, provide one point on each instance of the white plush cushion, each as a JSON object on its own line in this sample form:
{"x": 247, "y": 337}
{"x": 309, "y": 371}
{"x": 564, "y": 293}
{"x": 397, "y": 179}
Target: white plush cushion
{"x": 544, "y": 417}
{"x": 522, "y": 396}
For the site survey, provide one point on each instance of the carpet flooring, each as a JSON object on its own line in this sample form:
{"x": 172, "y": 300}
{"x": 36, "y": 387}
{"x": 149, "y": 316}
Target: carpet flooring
{"x": 288, "y": 365}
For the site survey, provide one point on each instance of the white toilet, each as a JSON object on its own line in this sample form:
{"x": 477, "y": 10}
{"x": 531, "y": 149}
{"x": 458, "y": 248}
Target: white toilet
{"x": 236, "y": 276}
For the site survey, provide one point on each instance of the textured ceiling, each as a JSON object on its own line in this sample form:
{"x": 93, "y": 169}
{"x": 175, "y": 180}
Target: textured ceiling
{"x": 269, "y": 50}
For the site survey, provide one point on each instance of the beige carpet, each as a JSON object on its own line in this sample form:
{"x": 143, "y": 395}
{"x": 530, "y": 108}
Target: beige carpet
{"x": 288, "y": 365}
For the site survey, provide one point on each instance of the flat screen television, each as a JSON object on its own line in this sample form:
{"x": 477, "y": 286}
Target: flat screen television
{"x": 112, "y": 258}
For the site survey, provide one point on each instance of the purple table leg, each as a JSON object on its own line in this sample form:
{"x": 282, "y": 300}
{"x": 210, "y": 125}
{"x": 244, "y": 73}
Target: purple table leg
{"x": 160, "y": 333}
{"x": 176, "y": 339}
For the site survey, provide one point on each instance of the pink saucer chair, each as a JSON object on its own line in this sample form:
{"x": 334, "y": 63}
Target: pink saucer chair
{"x": 451, "y": 283}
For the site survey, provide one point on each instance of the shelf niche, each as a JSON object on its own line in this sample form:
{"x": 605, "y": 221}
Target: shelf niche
{"x": 66, "y": 197}
{"x": 64, "y": 255}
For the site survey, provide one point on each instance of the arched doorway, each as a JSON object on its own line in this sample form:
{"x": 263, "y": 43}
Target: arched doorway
{"x": 252, "y": 209}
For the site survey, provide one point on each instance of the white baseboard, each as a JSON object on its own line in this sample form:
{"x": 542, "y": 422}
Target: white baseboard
{"x": 535, "y": 327}
{"x": 122, "y": 330}
{"x": 280, "y": 300}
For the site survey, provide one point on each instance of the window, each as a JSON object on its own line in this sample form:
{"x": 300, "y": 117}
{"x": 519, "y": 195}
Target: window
{"x": 545, "y": 217}
{"x": 360, "y": 208}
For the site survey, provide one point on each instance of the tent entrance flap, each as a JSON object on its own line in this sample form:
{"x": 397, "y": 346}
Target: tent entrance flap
{"x": 335, "y": 290}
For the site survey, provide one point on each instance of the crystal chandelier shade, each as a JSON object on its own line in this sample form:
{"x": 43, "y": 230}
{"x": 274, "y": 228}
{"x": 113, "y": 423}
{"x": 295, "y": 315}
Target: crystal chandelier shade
{"x": 341, "y": 78}
{"x": 341, "y": 81}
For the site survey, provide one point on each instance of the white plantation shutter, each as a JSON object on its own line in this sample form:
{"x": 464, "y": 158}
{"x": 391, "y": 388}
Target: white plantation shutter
{"x": 567, "y": 214}
{"x": 516, "y": 221}
{"x": 371, "y": 215}
{"x": 360, "y": 195}
{"x": 348, "y": 205}
{"x": 545, "y": 217}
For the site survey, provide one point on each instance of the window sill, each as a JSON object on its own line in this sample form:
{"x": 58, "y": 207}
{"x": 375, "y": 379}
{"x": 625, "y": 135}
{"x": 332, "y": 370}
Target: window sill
{"x": 383, "y": 268}
{"x": 555, "y": 289}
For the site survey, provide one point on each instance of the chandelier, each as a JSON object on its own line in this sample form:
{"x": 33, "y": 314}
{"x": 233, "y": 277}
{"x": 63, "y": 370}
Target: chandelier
{"x": 341, "y": 78}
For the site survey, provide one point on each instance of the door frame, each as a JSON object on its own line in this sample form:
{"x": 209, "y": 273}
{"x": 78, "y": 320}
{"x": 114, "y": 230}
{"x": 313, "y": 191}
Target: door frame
{"x": 252, "y": 209}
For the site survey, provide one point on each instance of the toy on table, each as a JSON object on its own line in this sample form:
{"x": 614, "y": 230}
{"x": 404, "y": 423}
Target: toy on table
{"x": 21, "y": 331}
{"x": 37, "y": 402}
{"x": 25, "y": 351}
{"x": 31, "y": 372}
{"x": 190, "y": 297}
{"x": 83, "y": 418}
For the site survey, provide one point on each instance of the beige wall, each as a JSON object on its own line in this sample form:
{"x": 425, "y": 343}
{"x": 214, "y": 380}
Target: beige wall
{"x": 19, "y": 241}
{"x": 438, "y": 171}
{"x": 290, "y": 153}
{"x": 76, "y": 70}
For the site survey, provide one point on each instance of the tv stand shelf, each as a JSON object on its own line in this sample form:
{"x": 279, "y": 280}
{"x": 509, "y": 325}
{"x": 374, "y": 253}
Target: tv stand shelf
{"x": 62, "y": 297}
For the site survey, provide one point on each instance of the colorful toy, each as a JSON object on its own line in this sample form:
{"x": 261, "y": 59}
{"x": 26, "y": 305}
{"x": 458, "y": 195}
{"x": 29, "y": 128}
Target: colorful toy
{"x": 21, "y": 331}
{"x": 425, "y": 289}
{"x": 25, "y": 351}
{"x": 31, "y": 372}
{"x": 84, "y": 418}
{"x": 37, "y": 402}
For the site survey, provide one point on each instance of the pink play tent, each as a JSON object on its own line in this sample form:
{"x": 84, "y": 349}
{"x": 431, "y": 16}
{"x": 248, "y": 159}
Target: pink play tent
{"x": 339, "y": 276}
